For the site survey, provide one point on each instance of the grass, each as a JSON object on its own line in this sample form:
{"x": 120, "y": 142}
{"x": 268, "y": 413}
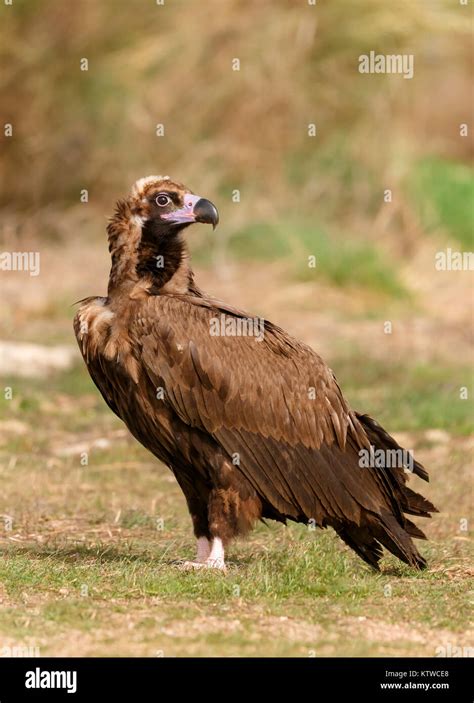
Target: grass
{"x": 287, "y": 592}
{"x": 409, "y": 396}
{"x": 301, "y": 564}
{"x": 443, "y": 192}
{"x": 90, "y": 565}
{"x": 313, "y": 254}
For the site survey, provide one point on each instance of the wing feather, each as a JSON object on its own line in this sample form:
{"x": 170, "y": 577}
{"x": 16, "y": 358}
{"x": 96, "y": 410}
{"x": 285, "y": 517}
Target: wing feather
{"x": 253, "y": 398}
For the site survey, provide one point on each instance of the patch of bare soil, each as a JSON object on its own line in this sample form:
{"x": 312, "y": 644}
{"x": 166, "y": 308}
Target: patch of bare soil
{"x": 382, "y": 632}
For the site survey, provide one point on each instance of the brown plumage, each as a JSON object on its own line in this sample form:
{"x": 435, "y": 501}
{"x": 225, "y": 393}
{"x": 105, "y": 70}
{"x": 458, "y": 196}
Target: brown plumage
{"x": 251, "y": 426}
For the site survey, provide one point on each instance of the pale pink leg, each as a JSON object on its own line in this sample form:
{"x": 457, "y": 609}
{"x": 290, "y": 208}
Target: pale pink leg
{"x": 209, "y": 555}
{"x": 203, "y": 549}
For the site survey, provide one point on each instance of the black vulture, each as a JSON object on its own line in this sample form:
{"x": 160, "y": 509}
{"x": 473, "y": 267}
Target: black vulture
{"x": 251, "y": 421}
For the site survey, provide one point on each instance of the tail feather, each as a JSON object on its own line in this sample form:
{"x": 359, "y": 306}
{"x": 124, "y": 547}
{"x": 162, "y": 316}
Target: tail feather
{"x": 362, "y": 542}
{"x": 390, "y": 527}
{"x": 413, "y": 530}
{"x": 415, "y": 504}
{"x": 382, "y": 440}
{"x": 366, "y": 540}
{"x": 398, "y": 541}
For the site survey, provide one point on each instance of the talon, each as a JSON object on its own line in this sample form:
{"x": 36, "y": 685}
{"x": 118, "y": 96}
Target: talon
{"x": 192, "y": 565}
{"x": 215, "y": 564}
{"x": 208, "y": 564}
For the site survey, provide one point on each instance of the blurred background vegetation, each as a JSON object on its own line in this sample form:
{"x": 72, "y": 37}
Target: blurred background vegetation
{"x": 246, "y": 130}
{"x": 171, "y": 64}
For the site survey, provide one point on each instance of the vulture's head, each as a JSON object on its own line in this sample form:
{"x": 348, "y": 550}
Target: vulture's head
{"x": 168, "y": 206}
{"x": 145, "y": 234}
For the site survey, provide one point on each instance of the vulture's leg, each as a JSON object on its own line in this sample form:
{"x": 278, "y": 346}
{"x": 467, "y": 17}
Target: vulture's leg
{"x": 203, "y": 549}
{"x": 197, "y": 495}
{"x": 215, "y": 559}
{"x": 203, "y": 546}
{"x": 232, "y": 511}
{"x": 221, "y": 526}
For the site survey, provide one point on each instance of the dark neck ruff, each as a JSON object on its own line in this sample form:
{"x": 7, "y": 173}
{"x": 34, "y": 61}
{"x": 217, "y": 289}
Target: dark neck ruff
{"x": 161, "y": 254}
{"x": 156, "y": 253}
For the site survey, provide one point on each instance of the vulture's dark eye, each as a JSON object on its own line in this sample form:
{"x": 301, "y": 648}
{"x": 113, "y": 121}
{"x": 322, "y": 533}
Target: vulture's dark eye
{"x": 162, "y": 199}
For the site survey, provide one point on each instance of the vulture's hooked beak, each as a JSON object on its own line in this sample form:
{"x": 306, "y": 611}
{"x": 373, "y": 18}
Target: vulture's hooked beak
{"x": 195, "y": 209}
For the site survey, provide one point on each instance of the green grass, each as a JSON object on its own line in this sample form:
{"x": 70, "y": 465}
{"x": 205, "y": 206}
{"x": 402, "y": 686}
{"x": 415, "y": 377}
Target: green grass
{"x": 64, "y": 393}
{"x": 91, "y": 566}
{"x": 291, "y": 574}
{"x": 443, "y": 192}
{"x": 408, "y": 396}
{"x": 339, "y": 260}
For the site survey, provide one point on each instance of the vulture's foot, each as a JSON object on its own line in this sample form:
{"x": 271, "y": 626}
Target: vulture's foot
{"x": 210, "y": 555}
{"x": 208, "y": 564}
